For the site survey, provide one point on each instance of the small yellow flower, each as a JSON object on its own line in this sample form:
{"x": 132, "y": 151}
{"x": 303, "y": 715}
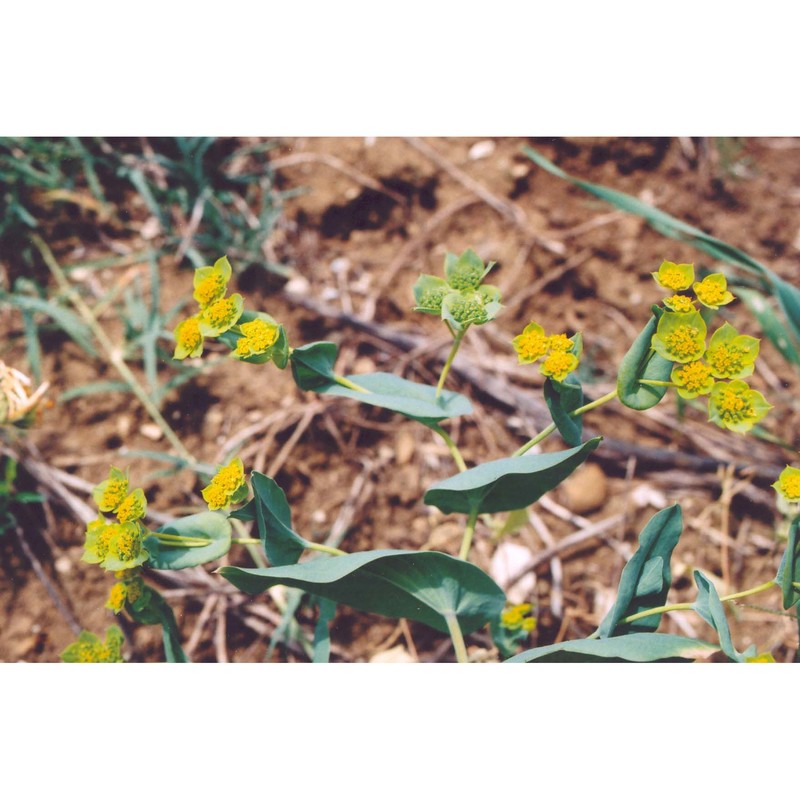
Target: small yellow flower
{"x": 712, "y": 291}
{"x": 211, "y": 283}
{"x": 761, "y": 658}
{"x": 215, "y": 496}
{"x": 188, "y": 339}
{"x": 730, "y": 354}
{"x": 558, "y": 365}
{"x": 226, "y": 487}
{"x": 677, "y": 277}
{"x": 680, "y": 337}
{"x": 531, "y": 344}
{"x": 88, "y": 649}
{"x": 560, "y": 342}
{"x": 692, "y": 379}
{"x": 132, "y": 507}
{"x": 109, "y": 494}
{"x": 736, "y": 406}
{"x": 257, "y": 337}
{"x": 680, "y": 303}
{"x": 788, "y": 484}
{"x": 221, "y": 315}
{"x": 516, "y": 617}
{"x": 116, "y": 597}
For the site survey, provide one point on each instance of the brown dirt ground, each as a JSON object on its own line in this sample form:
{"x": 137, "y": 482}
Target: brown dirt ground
{"x": 564, "y": 259}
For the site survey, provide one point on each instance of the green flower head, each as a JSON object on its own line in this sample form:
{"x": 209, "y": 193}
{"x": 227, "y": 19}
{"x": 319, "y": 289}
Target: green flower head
{"x": 429, "y": 291}
{"x": 736, "y": 406}
{"x": 109, "y": 494}
{"x": 692, "y": 379}
{"x": 133, "y": 507}
{"x": 465, "y": 272}
{"x": 188, "y": 339}
{"x": 730, "y": 354}
{"x": 126, "y": 546}
{"x": 99, "y": 533}
{"x": 788, "y": 484}
{"x": 461, "y": 309}
{"x": 712, "y": 291}
{"x": 680, "y": 303}
{"x": 676, "y": 277}
{"x": 88, "y": 649}
{"x": 221, "y": 315}
{"x": 211, "y": 283}
{"x": 680, "y": 337}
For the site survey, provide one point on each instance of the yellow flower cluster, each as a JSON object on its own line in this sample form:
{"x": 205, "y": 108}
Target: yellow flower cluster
{"x": 88, "y": 649}
{"x": 227, "y": 486}
{"x": 561, "y": 354}
{"x": 518, "y": 617}
{"x": 712, "y": 291}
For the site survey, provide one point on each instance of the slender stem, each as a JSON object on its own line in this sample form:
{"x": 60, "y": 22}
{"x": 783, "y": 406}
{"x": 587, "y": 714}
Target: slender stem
{"x": 245, "y": 540}
{"x": 469, "y": 532}
{"x": 348, "y": 384}
{"x": 113, "y": 353}
{"x": 323, "y": 548}
{"x": 648, "y": 382}
{"x": 688, "y": 606}
{"x": 449, "y": 362}
{"x": 451, "y": 446}
{"x": 255, "y": 551}
{"x": 458, "y": 638}
{"x": 552, "y": 426}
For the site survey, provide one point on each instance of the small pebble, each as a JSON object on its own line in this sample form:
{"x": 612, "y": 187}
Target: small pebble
{"x": 481, "y": 149}
{"x": 585, "y": 490}
{"x": 151, "y": 431}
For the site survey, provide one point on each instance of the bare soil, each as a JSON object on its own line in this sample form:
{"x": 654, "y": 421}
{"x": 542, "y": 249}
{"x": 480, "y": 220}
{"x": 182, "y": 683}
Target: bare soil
{"x": 369, "y": 217}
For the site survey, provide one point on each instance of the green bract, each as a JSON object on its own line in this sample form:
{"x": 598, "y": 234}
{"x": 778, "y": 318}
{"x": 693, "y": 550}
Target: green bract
{"x": 466, "y": 271}
{"x": 730, "y": 354}
{"x": 680, "y": 337}
{"x": 211, "y": 283}
{"x": 461, "y": 309}
{"x": 736, "y": 406}
{"x": 788, "y": 484}
{"x": 109, "y": 494}
{"x": 429, "y": 291}
{"x": 676, "y": 277}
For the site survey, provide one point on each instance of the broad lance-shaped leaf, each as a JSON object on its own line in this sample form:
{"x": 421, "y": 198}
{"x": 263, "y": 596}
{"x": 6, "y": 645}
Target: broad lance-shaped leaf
{"x": 789, "y": 569}
{"x": 709, "y": 607}
{"x": 312, "y": 368}
{"x": 641, "y": 362}
{"x": 207, "y": 525}
{"x": 273, "y": 517}
{"x": 646, "y": 579}
{"x": 639, "y": 647}
{"x": 562, "y": 398}
{"x": 159, "y": 612}
{"x": 507, "y": 483}
{"x": 423, "y": 586}
{"x": 788, "y": 296}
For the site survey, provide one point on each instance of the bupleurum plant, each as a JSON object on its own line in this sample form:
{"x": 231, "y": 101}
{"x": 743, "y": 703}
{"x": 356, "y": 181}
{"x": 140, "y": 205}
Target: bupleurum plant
{"x": 448, "y": 592}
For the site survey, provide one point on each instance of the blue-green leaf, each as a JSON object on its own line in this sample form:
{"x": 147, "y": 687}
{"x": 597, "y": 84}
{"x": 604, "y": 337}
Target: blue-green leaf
{"x": 709, "y": 607}
{"x": 423, "y": 586}
{"x": 209, "y": 526}
{"x": 507, "y": 483}
{"x": 312, "y": 367}
{"x": 789, "y": 570}
{"x": 646, "y": 579}
{"x": 274, "y": 520}
{"x": 643, "y": 363}
{"x": 155, "y": 610}
{"x": 322, "y": 631}
{"x": 562, "y": 397}
{"x": 639, "y": 647}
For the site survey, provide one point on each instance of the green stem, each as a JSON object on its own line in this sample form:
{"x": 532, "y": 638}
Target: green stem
{"x": 113, "y": 353}
{"x": 552, "y": 426}
{"x": 323, "y": 548}
{"x": 255, "y": 550}
{"x": 174, "y": 540}
{"x": 246, "y": 540}
{"x": 688, "y": 606}
{"x": 458, "y": 638}
{"x": 469, "y": 532}
{"x": 451, "y": 446}
{"x": 648, "y": 382}
{"x": 449, "y": 362}
{"x": 348, "y": 384}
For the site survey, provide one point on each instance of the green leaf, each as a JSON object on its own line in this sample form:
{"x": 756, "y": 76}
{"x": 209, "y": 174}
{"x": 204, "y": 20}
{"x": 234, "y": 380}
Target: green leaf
{"x": 641, "y": 362}
{"x": 646, "y": 579}
{"x": 421, "y": 586}
{"x": 507, "y": 483}
{"x": 207, "y": 525}
{"x": 789, "y": 569}
{"x": 788, "y": 296}
{"x": 639, "y": 647}
{"x": 157, "y": 611}
{"x": 274, "y": 519}
{"x": 322, "y": 631}
{"x": 312, "y": 367}
{"x": 561, "y": 398}
{"x": 709, "y": 607}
